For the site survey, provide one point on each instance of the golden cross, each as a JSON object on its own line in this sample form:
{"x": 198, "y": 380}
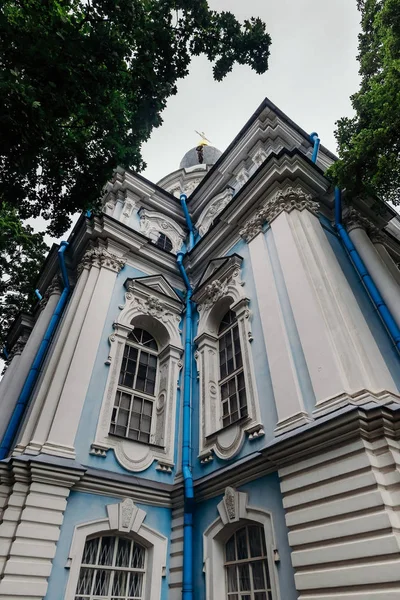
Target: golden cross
{"x": 204, "y": 140}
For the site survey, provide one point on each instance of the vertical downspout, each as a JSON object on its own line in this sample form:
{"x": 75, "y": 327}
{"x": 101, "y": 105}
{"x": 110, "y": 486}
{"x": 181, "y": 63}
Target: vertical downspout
{"x": 188, "y": 221}
{"x": 33, "y": 374}
{"x": 357, "y": 261}
{"x": 361, "y": 269}
{"x": 187, "y": 584}
{"x": 187, "y": 591}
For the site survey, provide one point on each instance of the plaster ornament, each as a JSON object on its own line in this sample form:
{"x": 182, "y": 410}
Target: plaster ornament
{"x": 259, "y": 157}
{"x": 284, "y": 200}
{"x": 126, "y": 511}
{"x": 213, "y": 209}
{"x": 354, "y": 219}
{"x": 153, "y": 223}
{"x": 213, "y": 292}
{"x": 230, "y": 503}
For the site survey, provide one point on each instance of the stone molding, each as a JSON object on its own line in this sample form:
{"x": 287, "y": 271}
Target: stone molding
{"x": 213, "y": 209}
{"x": 222, "y": 290}
{"x": 98, "y": 256}
{"x": 152, "y": 222}
{"x": 127, "y": 519}
{"x": 284, "y": 200}
{"x": 235, "y": 513}
{"x": 161, "y": 314}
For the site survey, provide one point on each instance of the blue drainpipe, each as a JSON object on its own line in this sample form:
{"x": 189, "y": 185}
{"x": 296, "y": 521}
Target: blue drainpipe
{"x": 316, "y": 141}
{"x": 33, "y": 374}
{"x": 187, "y": 588}
{"x": 361, "y": 269}
{"x": 188, "y": 221}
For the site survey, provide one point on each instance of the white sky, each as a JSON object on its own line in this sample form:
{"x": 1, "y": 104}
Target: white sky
{"x": 313, "y": 71}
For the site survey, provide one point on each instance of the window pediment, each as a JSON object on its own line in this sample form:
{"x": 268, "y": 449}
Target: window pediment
{"x": 154, "y": 223}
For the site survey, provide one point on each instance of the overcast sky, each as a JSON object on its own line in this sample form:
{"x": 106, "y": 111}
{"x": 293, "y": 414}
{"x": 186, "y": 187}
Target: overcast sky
{"x": 313, "y": 71}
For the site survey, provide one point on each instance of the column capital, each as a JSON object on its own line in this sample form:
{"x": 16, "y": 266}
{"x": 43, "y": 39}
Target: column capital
{"x": 284, "y": 200}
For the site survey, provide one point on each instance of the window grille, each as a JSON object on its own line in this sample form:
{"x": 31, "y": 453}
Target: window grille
{"x": 163, "y": 242}
{"x": 113, "y": 568}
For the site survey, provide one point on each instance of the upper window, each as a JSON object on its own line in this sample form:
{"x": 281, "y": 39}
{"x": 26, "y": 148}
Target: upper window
{"x": 232, "y": 384}
{"x": 246, "y": 565}
{"x": 113, "y": 568}
{"x": 164, "y": 242}
{"x": 133, "y": 406}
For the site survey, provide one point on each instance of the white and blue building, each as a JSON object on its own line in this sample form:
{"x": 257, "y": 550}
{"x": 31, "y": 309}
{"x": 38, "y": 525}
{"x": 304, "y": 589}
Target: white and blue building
{"x": 205, "y": 404}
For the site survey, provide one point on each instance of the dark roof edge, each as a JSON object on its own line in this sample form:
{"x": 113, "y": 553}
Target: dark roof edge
{"x": 266, "y": 103}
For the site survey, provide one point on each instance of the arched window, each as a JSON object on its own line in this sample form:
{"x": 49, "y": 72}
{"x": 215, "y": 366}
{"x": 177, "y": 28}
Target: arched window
{"x": 246, "y": 565}
{"x": 134, "y": 400}
{"x": 163, "y": 242}
{"x": 232, "y": 383}
{"x": 112, "y": 567}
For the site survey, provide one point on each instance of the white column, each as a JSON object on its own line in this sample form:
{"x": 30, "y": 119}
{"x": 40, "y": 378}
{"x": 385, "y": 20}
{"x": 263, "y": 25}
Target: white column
{"x": 39, "y": 420}
{"x": 288, "y": 397}
{"x": 387, "y": 259}
{"x": 383, "y": 279}
{"x": 15, "y": 384}
{"x": 66, "y": 420}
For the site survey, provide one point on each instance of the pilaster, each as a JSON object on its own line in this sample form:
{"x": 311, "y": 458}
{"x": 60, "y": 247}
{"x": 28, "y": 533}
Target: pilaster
{"x": 28, "y": 348}
{"x": 381, "y": 275}
{"x": 37, "y": 425}
{"x": 66, "y": 420}
{"x": 287, "y": 393}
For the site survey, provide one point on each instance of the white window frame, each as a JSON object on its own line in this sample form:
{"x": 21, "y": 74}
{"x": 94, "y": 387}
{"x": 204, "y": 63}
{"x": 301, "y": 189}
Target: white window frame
{"x": 153, "y": 223}
{"x": 221, "y": 291}
{"x": 125, "y": 519}
{"x": 234, "y": 513}
{"x": 155, "y": 307}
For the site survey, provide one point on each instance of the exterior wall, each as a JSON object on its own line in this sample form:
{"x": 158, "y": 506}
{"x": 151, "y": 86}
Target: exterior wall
{"x": 342, "y": 514}
{"x": 264, "y": 494}
{"x": 83, "y": 507}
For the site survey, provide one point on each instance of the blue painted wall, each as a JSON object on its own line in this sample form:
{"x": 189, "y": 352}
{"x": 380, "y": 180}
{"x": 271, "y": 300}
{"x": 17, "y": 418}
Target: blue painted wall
{"x": 263, "y": 493}
{"x": 263, "y": 379}
{"x": 92, "y": 406}
{"x": 82, "y": 508}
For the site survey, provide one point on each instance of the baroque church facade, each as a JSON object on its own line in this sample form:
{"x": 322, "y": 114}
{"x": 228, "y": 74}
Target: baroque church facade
{"x": 205, "y": 403}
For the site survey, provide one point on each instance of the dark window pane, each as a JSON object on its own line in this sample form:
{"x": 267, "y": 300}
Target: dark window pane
{"x": 85, "y": 581}
{"x": 241, "y": 543}
{"x": 102, "y": 583}
{"x": 230, "y": 549}
{"x": 106, "y": 551}
{"x": 90, "y": 552}
{"x": 123, "y": 553}
{"x": 258, "y": 575}
{"x": 261, "y": 596}
{"x": 137, "y": 561}
{"x": 244, "y": 578}
{"x": 255, "y": 541}
{"x": 231, "y": 577}
{"x": 147, "y": 408}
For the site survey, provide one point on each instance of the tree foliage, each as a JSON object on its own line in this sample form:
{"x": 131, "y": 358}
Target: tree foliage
{"x": 21, "y": 256}
{"x": 83, "y": 83}
{"x": 369, "y": 143}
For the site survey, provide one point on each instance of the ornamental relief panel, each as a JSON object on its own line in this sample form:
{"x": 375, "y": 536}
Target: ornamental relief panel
{"x": 153, "y": 223}
{"x": 212, "y": 210}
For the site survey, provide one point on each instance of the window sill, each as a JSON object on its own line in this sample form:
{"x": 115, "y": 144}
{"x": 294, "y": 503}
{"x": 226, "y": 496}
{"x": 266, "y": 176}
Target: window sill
{"x": 241, "y": 422}
{"x": 122, "y": 437}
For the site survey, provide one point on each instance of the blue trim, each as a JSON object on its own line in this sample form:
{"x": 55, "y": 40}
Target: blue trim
{"x": 189, "y": 223}
{"x": 33, "y": 374}
{"x": 316, "y": 141}
{"x": 187, "y": 586}
{"x": 361, "y": 269}
{"x": 38, "y": 294}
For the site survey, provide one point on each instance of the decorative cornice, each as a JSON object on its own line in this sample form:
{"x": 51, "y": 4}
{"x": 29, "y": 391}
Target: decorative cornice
{"x": 354, "y": 220}
{"x": 154, "y": 222}
{"x": 284, "y": 200}
{"x": 100, "y": 257}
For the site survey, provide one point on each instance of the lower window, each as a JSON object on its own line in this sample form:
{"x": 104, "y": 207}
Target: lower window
{"x": 246, "y": 565}
{"x": 113, "y": 568}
